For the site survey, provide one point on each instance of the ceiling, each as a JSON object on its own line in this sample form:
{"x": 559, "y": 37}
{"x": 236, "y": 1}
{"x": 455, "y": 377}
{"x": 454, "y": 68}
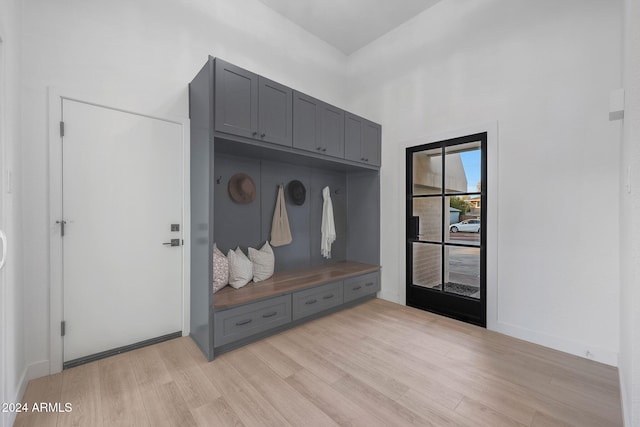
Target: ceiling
{"x": 349, "y": 25}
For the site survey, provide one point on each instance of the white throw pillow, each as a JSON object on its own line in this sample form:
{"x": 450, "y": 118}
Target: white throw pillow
{"x": 240, "y": 268}
{"x": 263, "y": 262}
{"x": 220, "y": 269}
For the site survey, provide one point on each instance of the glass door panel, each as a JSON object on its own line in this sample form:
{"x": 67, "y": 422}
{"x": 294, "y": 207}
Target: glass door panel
{"x": 463, "y": 168}
{"x": 464, "y": 224}
{"x": 462, "y": 271}
{"x": 426, "y": 213}
{"x": 427, "y": 265}
{"x": 427, "y": 172}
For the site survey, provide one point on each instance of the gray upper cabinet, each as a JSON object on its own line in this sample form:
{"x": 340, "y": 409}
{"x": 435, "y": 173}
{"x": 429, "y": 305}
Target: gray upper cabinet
{"x": 317, "y": 126}
{"x": 252, "y": 106}
{"x": 236, "y": 100}
{"x": 306, "y": 126}
{"x": 362, "y": 140}
{"x": 275, "y": 112}
{"x": 332, "y": 130}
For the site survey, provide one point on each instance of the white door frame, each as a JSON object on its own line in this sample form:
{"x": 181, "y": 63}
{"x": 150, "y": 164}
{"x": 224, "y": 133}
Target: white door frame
{"x": 56, "y": 296}
{"x": 4, "y": 417}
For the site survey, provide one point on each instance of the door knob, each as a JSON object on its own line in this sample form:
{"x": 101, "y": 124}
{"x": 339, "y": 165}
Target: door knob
{"x": 173, "y": 242}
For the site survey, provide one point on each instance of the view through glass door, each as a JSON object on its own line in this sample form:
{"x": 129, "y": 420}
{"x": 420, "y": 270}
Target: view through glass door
{"x": 446, "y": 227}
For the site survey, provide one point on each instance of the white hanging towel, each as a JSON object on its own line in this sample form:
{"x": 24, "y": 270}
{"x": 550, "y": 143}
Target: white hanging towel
{"x": 328, "y": 227}
{"x": 280, "y": 231}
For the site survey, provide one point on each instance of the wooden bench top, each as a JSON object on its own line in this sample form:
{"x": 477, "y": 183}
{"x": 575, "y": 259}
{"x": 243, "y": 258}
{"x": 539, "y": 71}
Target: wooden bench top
{"x": 289, "y": 281}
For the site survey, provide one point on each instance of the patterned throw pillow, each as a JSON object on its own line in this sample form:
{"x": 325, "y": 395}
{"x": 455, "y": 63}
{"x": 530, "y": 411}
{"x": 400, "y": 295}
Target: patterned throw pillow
{"x": 220, "y": 269}
{"x": 240, "y": 268}
{"x": 263, "y": 262}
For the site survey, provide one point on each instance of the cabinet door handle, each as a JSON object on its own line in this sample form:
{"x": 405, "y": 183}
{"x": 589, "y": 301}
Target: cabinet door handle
{"x": 262, "y": 135}
{"x": 319, "y": 148}
{"x": 362, "y": 158}
{"x": 366, "y": 160}
{"x": 328, "y": 296}
{"x": 270, "y": 314}
{"x": 369, "y": 284}
{"x": 244, "y": 322}
{"x": 313, "y": 301}
{"x": 324, "y": 149}
{"x": 357, "y": 288}
{"x": 255, "y": 134}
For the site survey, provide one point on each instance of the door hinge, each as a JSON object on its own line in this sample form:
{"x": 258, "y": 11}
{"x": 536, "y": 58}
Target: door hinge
{"x": 61, "y": 129}
{"x": 63, "y": 328}
{"x": 62, "y": 223}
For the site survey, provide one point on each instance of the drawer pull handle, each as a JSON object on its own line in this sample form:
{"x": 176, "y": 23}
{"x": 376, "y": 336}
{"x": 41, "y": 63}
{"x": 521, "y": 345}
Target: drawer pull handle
{"x": 244, "y": 322}
{"x": 328, "y": 296}
{"x": 270, "y": 314}
{"x": 357, "y": 288}
{"x": 313, "y": 301}
{"x": 369, "y": 284}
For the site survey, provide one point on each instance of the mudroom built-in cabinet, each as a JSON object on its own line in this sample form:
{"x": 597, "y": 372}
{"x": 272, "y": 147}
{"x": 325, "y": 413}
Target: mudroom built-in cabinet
{"x": 252, "y": 106}
{"x": 242, "y": 122}
{"x": 317, "y": 126}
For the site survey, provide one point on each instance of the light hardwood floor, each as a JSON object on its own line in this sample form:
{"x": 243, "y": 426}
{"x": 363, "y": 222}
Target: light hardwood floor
{"x": 378, "y": 364}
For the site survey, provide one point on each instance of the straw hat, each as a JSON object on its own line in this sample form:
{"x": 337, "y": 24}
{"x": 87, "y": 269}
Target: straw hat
{"x": 242, "y": 189}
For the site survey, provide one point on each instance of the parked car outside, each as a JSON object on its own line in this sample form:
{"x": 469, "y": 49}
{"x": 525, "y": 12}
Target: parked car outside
{"x": 471, "y": 225}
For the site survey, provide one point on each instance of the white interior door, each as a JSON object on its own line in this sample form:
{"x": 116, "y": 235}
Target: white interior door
{"x": 122, "y": 191}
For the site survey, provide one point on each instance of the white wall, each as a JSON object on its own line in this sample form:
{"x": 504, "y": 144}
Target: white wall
{"x": 630, "y": 220}
{"x": 12, "y": 309}
{"x": 544, "y": 70}
{"x": 140, "y": 55}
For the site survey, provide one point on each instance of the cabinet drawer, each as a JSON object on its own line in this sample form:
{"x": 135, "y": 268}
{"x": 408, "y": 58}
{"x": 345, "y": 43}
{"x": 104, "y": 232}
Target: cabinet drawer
{"x": 315, "y": 300}
{"x": 360, "y": 286}
{"x": 237, "y": 323}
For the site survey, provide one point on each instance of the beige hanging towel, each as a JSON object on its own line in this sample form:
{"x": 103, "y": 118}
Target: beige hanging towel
{"x": 280, "y": 231}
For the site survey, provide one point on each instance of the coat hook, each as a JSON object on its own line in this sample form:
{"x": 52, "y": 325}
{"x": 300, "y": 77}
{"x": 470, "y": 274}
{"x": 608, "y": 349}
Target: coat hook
{"x": 337, "y": 191}
{"x": 218, "y": 179}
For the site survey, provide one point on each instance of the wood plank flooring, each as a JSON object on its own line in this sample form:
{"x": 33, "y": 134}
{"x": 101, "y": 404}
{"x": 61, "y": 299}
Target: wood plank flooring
{"x": 378, "y": 364}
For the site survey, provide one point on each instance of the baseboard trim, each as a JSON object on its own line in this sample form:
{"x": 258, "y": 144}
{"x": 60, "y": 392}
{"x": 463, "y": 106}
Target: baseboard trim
{"x": 391, "y": 297}
{"x": 37, "y": 370}
{"x": 123, "y": 349}
{"x": 625, "y": 401}
{"x": 576, "y": 348}
{"x": 10, "y": 417}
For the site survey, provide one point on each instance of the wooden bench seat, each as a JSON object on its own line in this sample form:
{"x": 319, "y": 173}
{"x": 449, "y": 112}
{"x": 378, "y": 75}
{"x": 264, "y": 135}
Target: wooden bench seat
{"x": 289, "y": 281}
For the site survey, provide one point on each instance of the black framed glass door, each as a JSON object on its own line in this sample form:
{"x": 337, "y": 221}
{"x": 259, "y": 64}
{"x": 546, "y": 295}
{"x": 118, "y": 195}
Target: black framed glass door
{"x": 446, "y": 227}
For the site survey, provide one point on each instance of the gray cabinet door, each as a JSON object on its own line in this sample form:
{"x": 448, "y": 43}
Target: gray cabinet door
{"x": 236, "y": 100}
{"x": 361, "y": 286}
{"x": 317, "y": 126}
{"x": 362, "y": 140}
{"x": 353, "y": 138}
{"x": 371, "y": 143}
{"x": 331, "y": 130}
{"x": 317, "y": 299}
{"x": 241, "y": 322}
{"x": 306, "y": 123}
{"x": 275, "y": 112}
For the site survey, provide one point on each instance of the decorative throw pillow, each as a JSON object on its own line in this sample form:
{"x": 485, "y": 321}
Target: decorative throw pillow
{"x": 240, "y": 268}
{"x": 263, "y": 262}
{"x": 220, "y": 269}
